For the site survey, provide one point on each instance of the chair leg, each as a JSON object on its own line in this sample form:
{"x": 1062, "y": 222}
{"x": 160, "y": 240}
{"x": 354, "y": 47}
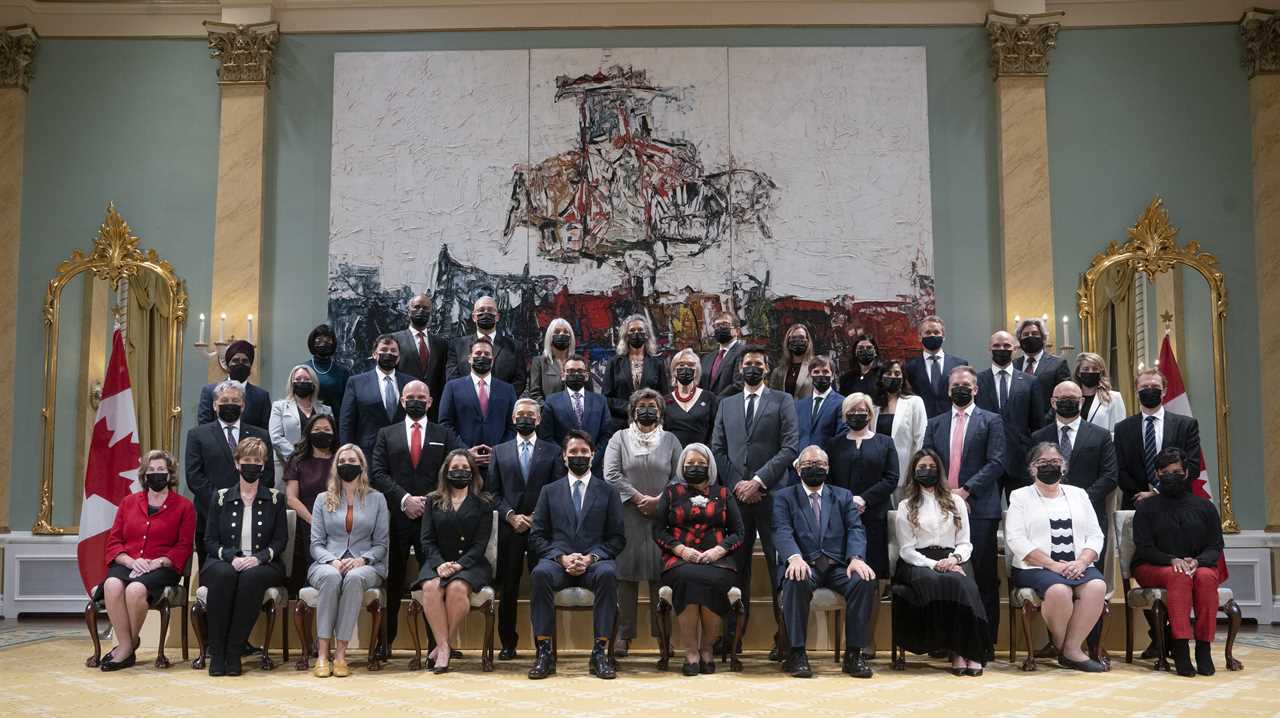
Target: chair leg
{"x": 486, "y": 655}
{"x": 664, "y": 633}
{"x": 266, "y": 663}
{"x": 613, "y": 632}
{"x": 199, "y": 624}
{"x": 185, "y": 629}
{"x": 162, "y": 661}
{"x": 301, "y": 622}
{"x": 1029, "y": 663}
{"x": 1013, "y": 634}
{"x": 839, "y": 633}
{"x": 284, "y": 630}
{"x": 555, "y": 643}
{"x": 1162, "y": 662}
{"x": 1128, "y": 632}
{"x": 1097, "y": 651}
{"x": 1232, "y": 609}
{"x": 897, "y": 656}
{"x": 91, "y": 623}
{"x": 411, "y": 616}
{"x": 375, "y": 610}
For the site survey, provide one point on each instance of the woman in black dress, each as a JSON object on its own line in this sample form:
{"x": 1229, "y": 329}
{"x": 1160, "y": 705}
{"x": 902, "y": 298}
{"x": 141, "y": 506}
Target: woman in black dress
{"x": 866, "y": 463}
{"x": 699, "y": 528}
{"x": 690, "y": 412}
{"x": 306, "y": 476}
{"x": 637, "y": 366}
{"x": 864, "y": 370}
{"x": 455, "y": 532}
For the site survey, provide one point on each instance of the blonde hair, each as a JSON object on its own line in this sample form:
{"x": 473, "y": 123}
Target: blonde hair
{"x": 251, "y": 448}
{"x": 332, "y": 489}
{"x": 650, "y": 347}
{"x": 1104, "y": 383}
{"x": 808, "y": 352}
{"x": 855, "y": 399}
{"x": 170, "y": 465}
{"x": 685, "y": 353}
{"x": 288, "y": 388}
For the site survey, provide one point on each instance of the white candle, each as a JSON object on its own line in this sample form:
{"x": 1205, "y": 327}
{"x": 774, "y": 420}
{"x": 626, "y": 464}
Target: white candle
{"x": 200, "y": 335}
{"x": 1066, "y": 331}
{"x": 1016, "y": 321}
{"x": 222, "y": 328}
{"x": 250, "y": 318}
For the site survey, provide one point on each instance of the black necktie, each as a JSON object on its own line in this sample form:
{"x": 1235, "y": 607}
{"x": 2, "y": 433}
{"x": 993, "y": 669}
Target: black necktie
{"x": 751, "y": 411}
{"x": 935, "y": 374}
{"x": 1149, "y": 450}
{"x": 1004, "y": 388}
{"x": 817, "y": 406}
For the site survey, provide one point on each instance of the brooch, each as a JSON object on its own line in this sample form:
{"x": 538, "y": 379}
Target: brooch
{"x": 699, "y": 501}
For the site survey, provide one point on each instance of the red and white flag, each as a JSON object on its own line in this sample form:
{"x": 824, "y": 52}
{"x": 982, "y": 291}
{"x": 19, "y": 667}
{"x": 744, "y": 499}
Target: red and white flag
{"x": 1176, "y": 401}
{"x": 111, "y": 470}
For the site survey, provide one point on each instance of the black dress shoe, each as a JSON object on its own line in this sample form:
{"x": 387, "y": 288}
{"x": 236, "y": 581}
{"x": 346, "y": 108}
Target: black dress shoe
{"x": 707, "y": 666}
{"x": 1087, "y": 666}
{"x": 690, "y": 669}
{"x": 857, "y": 666}
{"x": 775, "y": 653}
{"x": 233, "y": 666}
{"x": 1182, "y": 659}
{"x": 545, "y": 664}
{"x": 622, "y": 648}
{"x": 798, "y": 664}
{"x": 975, "y": 672}
{"x": 507, "y": 654}
{"x": 217, "y": 665}
{"x": 1204, "y": 658}
{"x": 249, "y": 649}
{"x": 600, "y": 665}
{"x": 955, "y": 671}
{"x": 113, "y": 665}
{"x": 1150, "y": 653}
{"x": 440, "y": 669}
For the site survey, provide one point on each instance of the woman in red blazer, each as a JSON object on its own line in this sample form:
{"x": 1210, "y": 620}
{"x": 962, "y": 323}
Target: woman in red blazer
{"x": 147, "y": 549}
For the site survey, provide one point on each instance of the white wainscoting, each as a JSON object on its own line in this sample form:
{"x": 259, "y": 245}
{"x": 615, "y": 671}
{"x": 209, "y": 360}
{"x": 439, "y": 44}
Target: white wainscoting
{"x": 1249, "y": 563}
{"x": 41, "y": 575}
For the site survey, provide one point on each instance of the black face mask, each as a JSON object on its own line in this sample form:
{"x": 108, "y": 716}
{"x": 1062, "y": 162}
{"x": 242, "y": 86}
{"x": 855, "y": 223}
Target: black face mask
{"x": 579, "y": 465}
{"x": 481, "y": 364}
{"x": 1001, "y": 357}
{"x": 646, "y": 416}
{"x": 486, "y": 321}
{"x": 926, "y": 477}
{"x": 866, "y": 357}
{"x": 349, "y": 472}
{"x": 158, "y": 481}
{"x": 1049, "y": 474}
{"x": 560, "y": 341}
{"x": 961, "y": 396}
{"x": 723, "y": 335}
{"x": 857, "y": 422}
{"x": 798, "y": 346}
{"x": 303, "y": 389}
{"x": 251, "y": 473}
{"x": 635, "y": 340}
{"x": 323, "y": 349}
{"x": 813, "y": 476}
{"x": 752, "y": 375}
{"x": 1068, "y": 407}
{"x": 459, "y": 478}
{"x": 322, "y": 439}
{"x": 415, "y": 408}
{"x": 1031, "y": 345}
{"x": 891, "y": 384}
{"x": 1150, "y": 397}
{"x": 696, "y": 474}
{"x": 821, "y": 383}
{"x": 525, "y": 425}
{"x": 388, "y": 361}
{"x": 575, "y": 380}
{"x": 684, "y": 375}
{"x": 1173, "y": 484}
{"x": 1090, "y": 379}
{"x": 933, "y": 342}
{"x": 239, "y": 372}
{"x": 420, "y": 319}
{"x": 230, "y": 413}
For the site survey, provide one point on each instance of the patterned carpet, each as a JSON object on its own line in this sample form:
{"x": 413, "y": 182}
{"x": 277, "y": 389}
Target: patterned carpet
{"x": 47, "y": 678}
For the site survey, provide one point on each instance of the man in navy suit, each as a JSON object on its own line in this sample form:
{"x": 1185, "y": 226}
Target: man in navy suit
{"x": 577, "y": 533}
{"x": 479, "y": 406}
{"x": 820, "y": 417}
{"x": 1016, "y": 397}
{"x": 372, "y": 398}
{"x": 928, "y": 372}
{"x": 509, "y": 364}
{"x": 720, "y": 367}
{"x": 577, "y": 408}
{"x": 971, "y": 443}
{"x": 257, "y": 401}
{"x": 517, "y": 472}
{"x": 821, "y": 542}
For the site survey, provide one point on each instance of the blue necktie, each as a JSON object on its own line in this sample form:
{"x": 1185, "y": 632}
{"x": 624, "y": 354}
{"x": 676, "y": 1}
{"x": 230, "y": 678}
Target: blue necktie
{"x": 389, "y": 397}
{"x": 1149, "y": 450}
{"x": 577, "y": 496}
{"x": 524, "y": 459}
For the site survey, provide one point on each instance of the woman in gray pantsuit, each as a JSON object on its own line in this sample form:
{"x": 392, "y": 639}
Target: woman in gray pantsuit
{"x": 349, "y": 532}
{"x": 639, "y": 463}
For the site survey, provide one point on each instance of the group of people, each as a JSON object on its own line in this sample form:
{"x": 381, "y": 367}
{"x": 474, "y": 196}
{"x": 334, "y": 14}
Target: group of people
{"x": 667, "y": 472}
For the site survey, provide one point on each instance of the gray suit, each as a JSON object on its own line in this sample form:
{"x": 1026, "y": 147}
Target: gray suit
{"x": 286, "y": 430}
{"x": 341, "y": 596}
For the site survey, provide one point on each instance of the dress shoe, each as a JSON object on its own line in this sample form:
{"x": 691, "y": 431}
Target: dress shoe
{"x": 600, "y": 665}
{"x": 508, "y": 654}
{"x": 855, "y": 664}
{"x": 113, "y": 665}
{"x": 341, "y": 669}
{"x": 955, "y": 671}
{"x": 217, "y": 665}
{"x": 233, "y": 666}
{"x": 622, "y": 647}
{"x": 707, "y": 666}
{"x": 690, "y": 669}
{"x": 1088, "y": 665}
{"x": 455, "y": 654}
{"x": 1150, "y": 653}
{"x": 381, "y": 652}
{"x": 974, "y": 672}
{"x": 249, "y": 649}
{"x": 440, "y": 669}
{"x": 798, "y": 664}
{"x": 323, "y": 668}
{"x": 1182, "y": 659}
{"x": 1204, "y": 659}
{"x": 545, "y": 663}
{"x": 775, "y": 653}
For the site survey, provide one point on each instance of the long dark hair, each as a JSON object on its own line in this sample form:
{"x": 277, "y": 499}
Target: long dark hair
{"x": 303, "y": 449}
{"x": 915, "y": 492}
{"x": 440, "y": 497}
{"x": 878, "y": 395}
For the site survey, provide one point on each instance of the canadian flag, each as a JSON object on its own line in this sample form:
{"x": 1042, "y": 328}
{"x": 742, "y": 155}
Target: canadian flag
{"x": 1176, "y": 401}
{"x": 111, "y": 469}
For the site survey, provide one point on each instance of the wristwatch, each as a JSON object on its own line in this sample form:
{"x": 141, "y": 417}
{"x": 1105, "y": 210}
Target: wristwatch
{"x": 956, "y": 556}
{"x": 595, "y": 558}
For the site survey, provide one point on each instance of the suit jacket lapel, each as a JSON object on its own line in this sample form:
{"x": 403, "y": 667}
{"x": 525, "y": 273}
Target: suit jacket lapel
{"x": 221, "y": 435}
{"x": 828, "y": 505}
{"x": 807, "y": 509}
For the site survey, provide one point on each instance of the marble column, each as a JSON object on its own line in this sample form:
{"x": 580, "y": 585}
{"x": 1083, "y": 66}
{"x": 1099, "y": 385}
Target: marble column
{"x": 244, "y": 53}
{"x": 1260, "y": 31}
{"x": 17, "y": 55}
{"x": 1020, "y": 45}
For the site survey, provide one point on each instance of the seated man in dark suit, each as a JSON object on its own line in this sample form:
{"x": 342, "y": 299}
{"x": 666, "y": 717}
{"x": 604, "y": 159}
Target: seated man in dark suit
{"x": 971, "y": 443}
{"x": 478, "y": 406}
{"x": 928, "y": 373}
{"x": 1048, "y": 369}
{"x": 517, "y": 472}
{"x": 423, "y": 355}
{"x": 405, "y": 467}
{"x": 577, "y": 532}
{"x": 257, "y": 401}
{"x": 1015, "y": 397}
{"x": 509, "y": 364}
{"x": 818, "y": 417}
{"x": 821, "y": 542}
{"x": 577, "y": 408}
{"x": 1088, "y": 449}
{"x": 720, "y": 367}
{"x": 1141, "y": 437}
{"x": 372, "y": 398}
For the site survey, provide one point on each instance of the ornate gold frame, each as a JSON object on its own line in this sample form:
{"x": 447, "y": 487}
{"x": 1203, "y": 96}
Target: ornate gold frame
{"x": 115, "y": 257}
{"x": 1151, "y": 249}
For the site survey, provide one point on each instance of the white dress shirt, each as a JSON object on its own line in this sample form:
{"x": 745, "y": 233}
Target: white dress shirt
{"x": 408, "y": 438}
{"x": 235, "y": 430}
{"x": 808, "y": 494}
{"x": 1073, "y": 432}
{"x": 935, "y": 529}
{"x": 1159, "y": 427}
{"x": 1037, "y": 358}
{"x": 1007, "y": 372}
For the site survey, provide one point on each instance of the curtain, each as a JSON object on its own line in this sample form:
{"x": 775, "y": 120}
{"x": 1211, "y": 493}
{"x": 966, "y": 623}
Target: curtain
{"x": 150, "y": 311}
{"x": 1114, "y": 295}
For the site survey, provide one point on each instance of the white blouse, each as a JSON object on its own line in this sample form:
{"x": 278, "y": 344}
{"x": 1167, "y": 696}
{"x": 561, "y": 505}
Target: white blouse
{"x": 246, "y": 530}
{"x": 935, "y": 529}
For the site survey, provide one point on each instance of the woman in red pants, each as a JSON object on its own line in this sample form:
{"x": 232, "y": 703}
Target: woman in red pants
{"x": 1177, "y": 539}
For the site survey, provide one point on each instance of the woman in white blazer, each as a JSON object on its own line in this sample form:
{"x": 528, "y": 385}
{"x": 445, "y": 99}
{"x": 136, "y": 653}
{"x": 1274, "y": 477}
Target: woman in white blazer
{"x": 1052, "y": 535}
{"x": 1102, "y": 406}
{"x": 901, "y": 415}
{"x": 289, "y": 414}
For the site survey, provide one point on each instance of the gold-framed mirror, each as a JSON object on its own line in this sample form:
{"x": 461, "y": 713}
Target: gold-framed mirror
{"x": 1152, "y": 250}
{"x": 149, "y": 295}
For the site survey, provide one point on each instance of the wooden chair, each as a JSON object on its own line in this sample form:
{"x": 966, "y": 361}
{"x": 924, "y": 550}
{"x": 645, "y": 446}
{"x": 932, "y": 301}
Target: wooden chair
{"x": 171, "y": 598}
{"x": 664, "y": 628}
{"x": 375, "y": 601}
{"x": 482, "y": 599}
{"x": 1153, "y": 599}
{"x": 580, "y": 599}
{"x": 274, "y": 600}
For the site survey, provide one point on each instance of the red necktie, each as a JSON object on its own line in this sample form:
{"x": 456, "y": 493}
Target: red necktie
{"x": 715, "y": 365}
{"x": 1031, "y": 365}
{"x": 423, "y": 353}
{"x": 483, "y": 395}
{"x": 415, "y": 445}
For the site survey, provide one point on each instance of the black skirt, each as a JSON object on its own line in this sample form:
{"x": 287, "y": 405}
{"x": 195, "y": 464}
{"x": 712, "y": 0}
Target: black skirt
{"x": 477, "y": 576}
{"x": 700, "y": 584}
{"x": 935, "y": 611}
{"x": 156, "y": 581}
{"x": 877, "y": 544}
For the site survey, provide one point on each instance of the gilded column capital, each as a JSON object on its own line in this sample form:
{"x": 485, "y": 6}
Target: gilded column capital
{"x": 1260, "y": 31}
{"x": 17, "y": 56}
{"x": 244, "y": 52}
{"x": 1020, "y": 42}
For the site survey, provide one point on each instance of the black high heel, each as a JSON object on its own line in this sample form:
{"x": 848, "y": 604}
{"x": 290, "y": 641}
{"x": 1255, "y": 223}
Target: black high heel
{"x": 690, "y": 669}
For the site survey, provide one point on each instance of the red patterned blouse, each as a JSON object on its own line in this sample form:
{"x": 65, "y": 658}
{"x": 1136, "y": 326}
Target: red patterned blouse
{"x": 686, "y": 517}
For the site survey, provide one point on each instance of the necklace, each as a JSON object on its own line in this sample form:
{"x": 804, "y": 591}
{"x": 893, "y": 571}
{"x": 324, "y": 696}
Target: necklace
{"x": 317, "y": 367}
{"x": 683, "y": 398}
